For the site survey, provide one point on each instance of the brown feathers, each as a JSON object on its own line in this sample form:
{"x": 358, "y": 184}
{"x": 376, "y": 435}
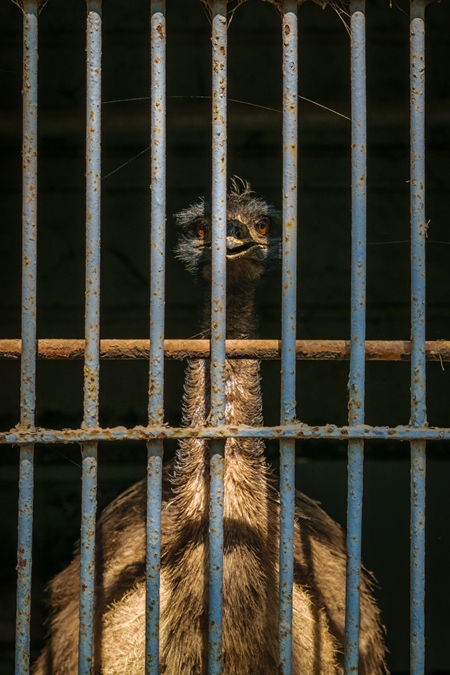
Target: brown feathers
{"x": 251, "y": 529}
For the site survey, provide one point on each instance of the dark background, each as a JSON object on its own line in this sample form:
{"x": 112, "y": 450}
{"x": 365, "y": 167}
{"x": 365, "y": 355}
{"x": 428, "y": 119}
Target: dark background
{"x": 323, "y": 267}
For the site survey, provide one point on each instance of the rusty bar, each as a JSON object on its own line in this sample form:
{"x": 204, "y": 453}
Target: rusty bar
{"x": 219, "y": 209}
{"x": 301, "y": 431}
{"x": 156, "y": 347}
{"x": 218, "y": 326}
{"x": 418, "y": 356}
{"x": 28, "y": 360}
{"x": 180, "y": 350}
{"x": 24, "y": 560}
{"x": 356, "y": 382}
{"x": 288, "y": 329}
{"x": 92, "y": 332}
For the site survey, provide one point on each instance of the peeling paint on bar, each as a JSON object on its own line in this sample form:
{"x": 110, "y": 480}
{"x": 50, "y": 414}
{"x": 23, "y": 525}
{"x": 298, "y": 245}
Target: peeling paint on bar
{"x": 289, "y": 33}
{"x": 92, "y": 333}
{"x": 28, "y": 360}
{"x": 356, "y": 384}
{"x": 418, "y": 356}
{"x": 218, "y": 326}
{"x": 156, "y": 346}
{"x": 301, "y": 431}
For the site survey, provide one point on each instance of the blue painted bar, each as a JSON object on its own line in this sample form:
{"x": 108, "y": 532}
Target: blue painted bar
{"x": 24, "y": 560}
{"x": 28, "y": 360}
{"x": 301, "y": 431}
{"x": 418, "y": 356}
{"x": 288, "y": 329}
{"x": 218, "y": 326}
{"x": 87, "y": 555}
{"x": 92, "y": 333}
{"x": 93, "y": 212}
{"x": 29, "y": 213}
{"x": 354, "y": 523}
{"x": 157, "y": 300}
{"x": 358, "y": 330}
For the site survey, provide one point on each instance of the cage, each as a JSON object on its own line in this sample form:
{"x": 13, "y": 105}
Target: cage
{"x": 255, "y": 152}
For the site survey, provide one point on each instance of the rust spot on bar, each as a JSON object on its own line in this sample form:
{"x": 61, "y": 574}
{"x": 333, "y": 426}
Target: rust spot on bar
{"x": 180, "y": 350}
{"x": 160, "y": 30}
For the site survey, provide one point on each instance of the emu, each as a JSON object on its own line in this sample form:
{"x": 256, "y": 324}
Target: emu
{"x": 251, "y": 518}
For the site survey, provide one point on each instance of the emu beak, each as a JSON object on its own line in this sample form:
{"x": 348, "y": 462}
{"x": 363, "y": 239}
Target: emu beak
{"x": 233, "y": 243}
{"x": 239, "y": 240}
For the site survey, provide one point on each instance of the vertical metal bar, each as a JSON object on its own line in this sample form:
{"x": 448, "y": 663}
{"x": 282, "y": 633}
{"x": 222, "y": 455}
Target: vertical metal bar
{"x": 288, "y": 328}
{"x": 418, "y": 358}
{"x": 157, "y": 299}
{"x": 218, "y": 326}
{"x": 358, "y": 330}
{"x": 28, "y": 363}
{"x": 92, "y": 332}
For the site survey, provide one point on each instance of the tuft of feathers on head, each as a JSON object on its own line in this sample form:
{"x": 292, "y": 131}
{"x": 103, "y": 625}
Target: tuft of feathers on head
{"x": 240, "y": 196}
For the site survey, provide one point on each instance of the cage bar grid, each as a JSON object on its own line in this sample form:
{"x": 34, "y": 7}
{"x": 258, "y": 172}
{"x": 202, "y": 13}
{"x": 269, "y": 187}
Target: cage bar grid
{"x": 358, "y": 350}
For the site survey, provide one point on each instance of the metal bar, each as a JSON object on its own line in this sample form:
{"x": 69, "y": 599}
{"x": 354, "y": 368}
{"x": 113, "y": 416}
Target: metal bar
{"x": 418, "y": 356}
{"x": 305, "y": 350}
{"x": 28, "y": 361}
{"x": 156, "y": 352}
{"x": 288, "y": 329}
{"x": 358, "y": 329}
{"x": 218, "y": 326}
{"x": 301, "y": 431}
{"x": 24, "y": 560}
{"x": 92, "y": 332}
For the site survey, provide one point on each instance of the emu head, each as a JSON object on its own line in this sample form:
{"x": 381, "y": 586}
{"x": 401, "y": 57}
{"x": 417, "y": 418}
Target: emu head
{"x": 252, "y": 242}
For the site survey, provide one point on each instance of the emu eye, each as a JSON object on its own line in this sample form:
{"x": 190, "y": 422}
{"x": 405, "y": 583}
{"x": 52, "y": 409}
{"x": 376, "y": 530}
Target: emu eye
{"x": 262, "y": 226}
{"x": 201, "y": 228}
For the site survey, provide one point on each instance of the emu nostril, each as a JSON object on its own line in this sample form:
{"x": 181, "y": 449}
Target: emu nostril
{"x": 235, "y": 229}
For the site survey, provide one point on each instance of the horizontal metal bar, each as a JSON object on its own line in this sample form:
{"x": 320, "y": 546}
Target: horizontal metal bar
{"x": 301, "y": 431}
{"x": 180, "y": 350}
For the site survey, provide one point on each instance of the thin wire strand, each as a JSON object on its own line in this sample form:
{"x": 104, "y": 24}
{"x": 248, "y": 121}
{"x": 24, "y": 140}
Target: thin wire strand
{"x": 235, "y": 100}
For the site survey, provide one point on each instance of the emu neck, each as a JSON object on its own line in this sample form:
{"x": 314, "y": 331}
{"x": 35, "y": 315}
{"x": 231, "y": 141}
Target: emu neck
{"x": 241, "y": 315}
{"x": 246, "y": 472}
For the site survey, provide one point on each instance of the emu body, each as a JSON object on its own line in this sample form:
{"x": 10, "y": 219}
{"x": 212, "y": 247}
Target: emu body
{"x": 251, "y": 521}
